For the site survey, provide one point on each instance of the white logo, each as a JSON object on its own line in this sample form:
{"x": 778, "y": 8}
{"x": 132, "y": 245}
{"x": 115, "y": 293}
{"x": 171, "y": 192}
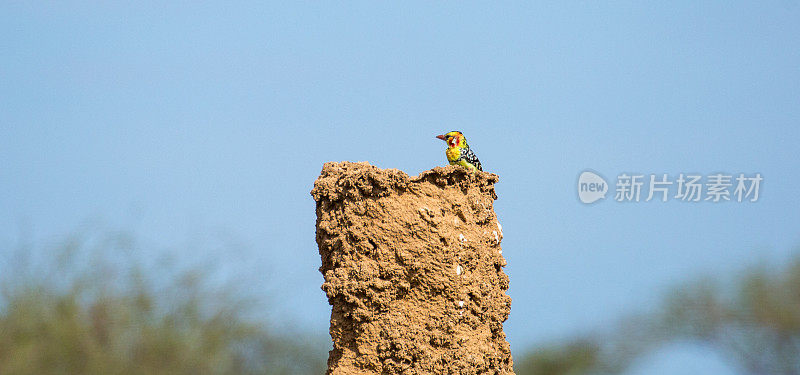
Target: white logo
{"x": 591, "y": 187}
{"x": 689, "y": 187}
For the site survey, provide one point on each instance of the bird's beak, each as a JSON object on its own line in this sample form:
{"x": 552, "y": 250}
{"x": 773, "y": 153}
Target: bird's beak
{"x": 442, "y": 137}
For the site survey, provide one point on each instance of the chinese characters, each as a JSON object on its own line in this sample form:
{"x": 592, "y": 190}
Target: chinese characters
{"x": 689, "y": 187}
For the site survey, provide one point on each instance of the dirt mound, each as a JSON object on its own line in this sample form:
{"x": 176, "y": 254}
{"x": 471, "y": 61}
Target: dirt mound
{"x": 413, "y": 271}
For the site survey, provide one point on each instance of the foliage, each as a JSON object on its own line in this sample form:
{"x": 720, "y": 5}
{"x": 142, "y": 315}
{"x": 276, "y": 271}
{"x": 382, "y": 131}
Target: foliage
{"x": 753, "y": 321}
{"x": 83, "y": 312}
{"x": 573, "y": 358}
{"x": 756, "y": 324}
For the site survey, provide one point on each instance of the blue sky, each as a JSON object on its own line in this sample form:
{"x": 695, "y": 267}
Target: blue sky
{"x": 188, "y": 121}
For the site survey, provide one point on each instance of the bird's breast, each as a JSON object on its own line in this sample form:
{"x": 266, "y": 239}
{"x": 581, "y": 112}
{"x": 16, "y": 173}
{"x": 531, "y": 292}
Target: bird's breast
{"x": 453, "y": 153}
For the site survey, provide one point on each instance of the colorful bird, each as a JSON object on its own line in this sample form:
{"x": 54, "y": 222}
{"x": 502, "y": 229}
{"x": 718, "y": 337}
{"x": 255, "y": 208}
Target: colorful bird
{"x": 458, "y": 152}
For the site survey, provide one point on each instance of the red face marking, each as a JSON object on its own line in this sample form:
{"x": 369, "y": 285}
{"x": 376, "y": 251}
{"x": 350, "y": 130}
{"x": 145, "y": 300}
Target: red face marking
{"x": 454, "y": 141}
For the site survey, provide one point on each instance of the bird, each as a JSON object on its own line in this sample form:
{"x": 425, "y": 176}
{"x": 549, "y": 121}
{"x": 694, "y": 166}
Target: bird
{"x": 458, "y": 151}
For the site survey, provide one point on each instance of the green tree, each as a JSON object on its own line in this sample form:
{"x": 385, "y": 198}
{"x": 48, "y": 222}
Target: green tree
{"x": 573, "y": 358}
{"x": 755, "y": 322}
{"x": 78, "y": 312}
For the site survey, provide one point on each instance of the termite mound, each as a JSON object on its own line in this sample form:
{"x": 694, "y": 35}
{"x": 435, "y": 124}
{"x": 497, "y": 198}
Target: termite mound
{"x": 413, "y": 270}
